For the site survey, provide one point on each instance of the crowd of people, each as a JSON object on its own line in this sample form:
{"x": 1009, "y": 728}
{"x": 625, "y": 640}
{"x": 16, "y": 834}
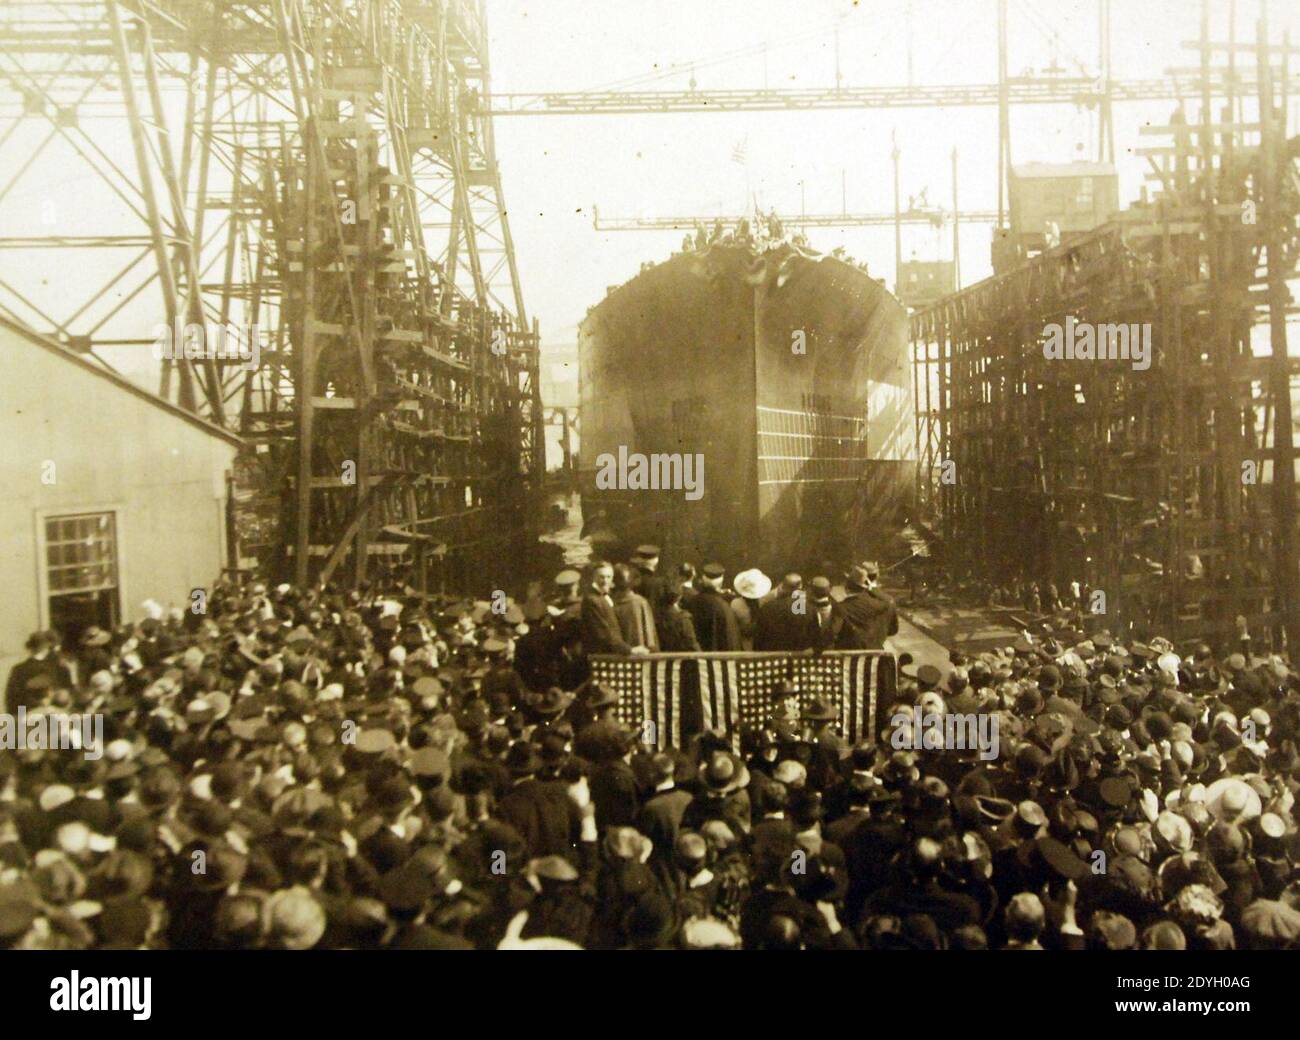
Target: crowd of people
{"x": 301, "y": 768}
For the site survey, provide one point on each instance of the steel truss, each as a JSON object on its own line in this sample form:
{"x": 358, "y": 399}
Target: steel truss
{"x": 1171, "y": 489}
{"x": 319, "y": 170}
{"x": 1082, "y": 91}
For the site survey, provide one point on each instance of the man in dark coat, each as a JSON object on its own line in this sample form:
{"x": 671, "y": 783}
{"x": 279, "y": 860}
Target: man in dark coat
{"x": 716, "y": 626}
{"x": 537, "y": 654}
{"x": 40, "y": 661}
{"x": 608, "y": 745}
{"x": 828, "y": 749}
{"x": 599, "y": 734}
{"x": 867, "y": 617}
{"x": 636, "y": 616}
{"x": 870, "y": 835}
{"x": 650, "y": 584}
{"x": 820, "y": 626}
{"x": 676, "y": 626}
{"x": 660, "y": 817}
{"x": 774, "y": 917}
{"x": 543, "y": 814}
{"x": 783, "y": 619}
{"x": 600, "y": 629}
{"x": 686, "y": 582}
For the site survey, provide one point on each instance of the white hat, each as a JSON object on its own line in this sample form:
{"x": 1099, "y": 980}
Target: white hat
{"x": 1231, "y": 799}
{"x": 752, "y": 584}
{"x": 708, "y": 933}
{"x": 54, "y": 796}
{"x": 1169, "y": 662}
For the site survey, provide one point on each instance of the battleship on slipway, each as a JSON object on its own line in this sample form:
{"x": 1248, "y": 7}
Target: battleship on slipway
{"x": 786, "y": 371}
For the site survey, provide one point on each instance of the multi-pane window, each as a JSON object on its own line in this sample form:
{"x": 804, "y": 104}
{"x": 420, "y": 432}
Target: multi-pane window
{"x": 81, "y": 553}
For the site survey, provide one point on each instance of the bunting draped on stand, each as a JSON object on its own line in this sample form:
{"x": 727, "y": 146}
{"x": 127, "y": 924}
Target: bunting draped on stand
{"x": 684, "y": 693}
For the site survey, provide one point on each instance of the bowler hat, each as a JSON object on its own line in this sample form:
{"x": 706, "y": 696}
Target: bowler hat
{"x": 783, "y": 689}
{"x": 723, "y": 773}
{"x": 553, "y": 701}
{"x": 862, "y": 575}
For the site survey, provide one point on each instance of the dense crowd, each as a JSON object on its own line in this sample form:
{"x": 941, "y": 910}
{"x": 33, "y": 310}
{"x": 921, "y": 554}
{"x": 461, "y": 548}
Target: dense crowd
{"x": 311, "y": 768}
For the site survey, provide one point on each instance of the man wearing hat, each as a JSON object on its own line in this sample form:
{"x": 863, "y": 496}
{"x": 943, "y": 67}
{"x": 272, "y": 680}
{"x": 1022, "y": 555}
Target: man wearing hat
{"x": 501, "y": 676}
{"x": 829, "y": 749}
{"x": 650, "y": 583}
{"x": 786, "y": 705}
{"x": 565, "y": 614}
{"x": 716, "y": 627}
{"x": 594, "y": 722}
{"x": 868, "y": 616}
{"x": 543, "y": 814}
{"x": 821, "y": 624}
{"x": 41, "y": 660}
{"x": 92, "y": 653}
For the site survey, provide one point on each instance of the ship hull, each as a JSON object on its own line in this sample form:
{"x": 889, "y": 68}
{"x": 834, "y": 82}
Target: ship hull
{"x": 786, "y": 374}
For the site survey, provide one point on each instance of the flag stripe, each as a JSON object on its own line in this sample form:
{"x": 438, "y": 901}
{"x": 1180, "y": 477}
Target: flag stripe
{"x": 734, "y": 690}
{"x": 676, "y": 685}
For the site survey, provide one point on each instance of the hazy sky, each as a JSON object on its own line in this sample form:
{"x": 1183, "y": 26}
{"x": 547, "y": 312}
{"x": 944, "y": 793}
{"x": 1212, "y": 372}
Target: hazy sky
{"x": 555, "y": 167}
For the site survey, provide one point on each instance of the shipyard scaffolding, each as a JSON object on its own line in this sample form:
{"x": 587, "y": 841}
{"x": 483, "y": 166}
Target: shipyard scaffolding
{"x": 1170, "y": 489}
{"x": 317, "y": 170}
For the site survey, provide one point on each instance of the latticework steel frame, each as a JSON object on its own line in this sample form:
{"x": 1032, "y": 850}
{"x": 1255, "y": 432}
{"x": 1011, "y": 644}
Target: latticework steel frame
{"x": 1171, "y": 489}
{"x": 318, "y": 169}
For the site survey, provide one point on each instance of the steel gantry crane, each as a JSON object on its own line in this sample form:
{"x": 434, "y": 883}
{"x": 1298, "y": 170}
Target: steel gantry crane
{"x": 316, "y": 173}
{"x": 1085, "y": 91}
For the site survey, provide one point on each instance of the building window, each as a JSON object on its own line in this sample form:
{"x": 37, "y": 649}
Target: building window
{"x": 82, "y": 572}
